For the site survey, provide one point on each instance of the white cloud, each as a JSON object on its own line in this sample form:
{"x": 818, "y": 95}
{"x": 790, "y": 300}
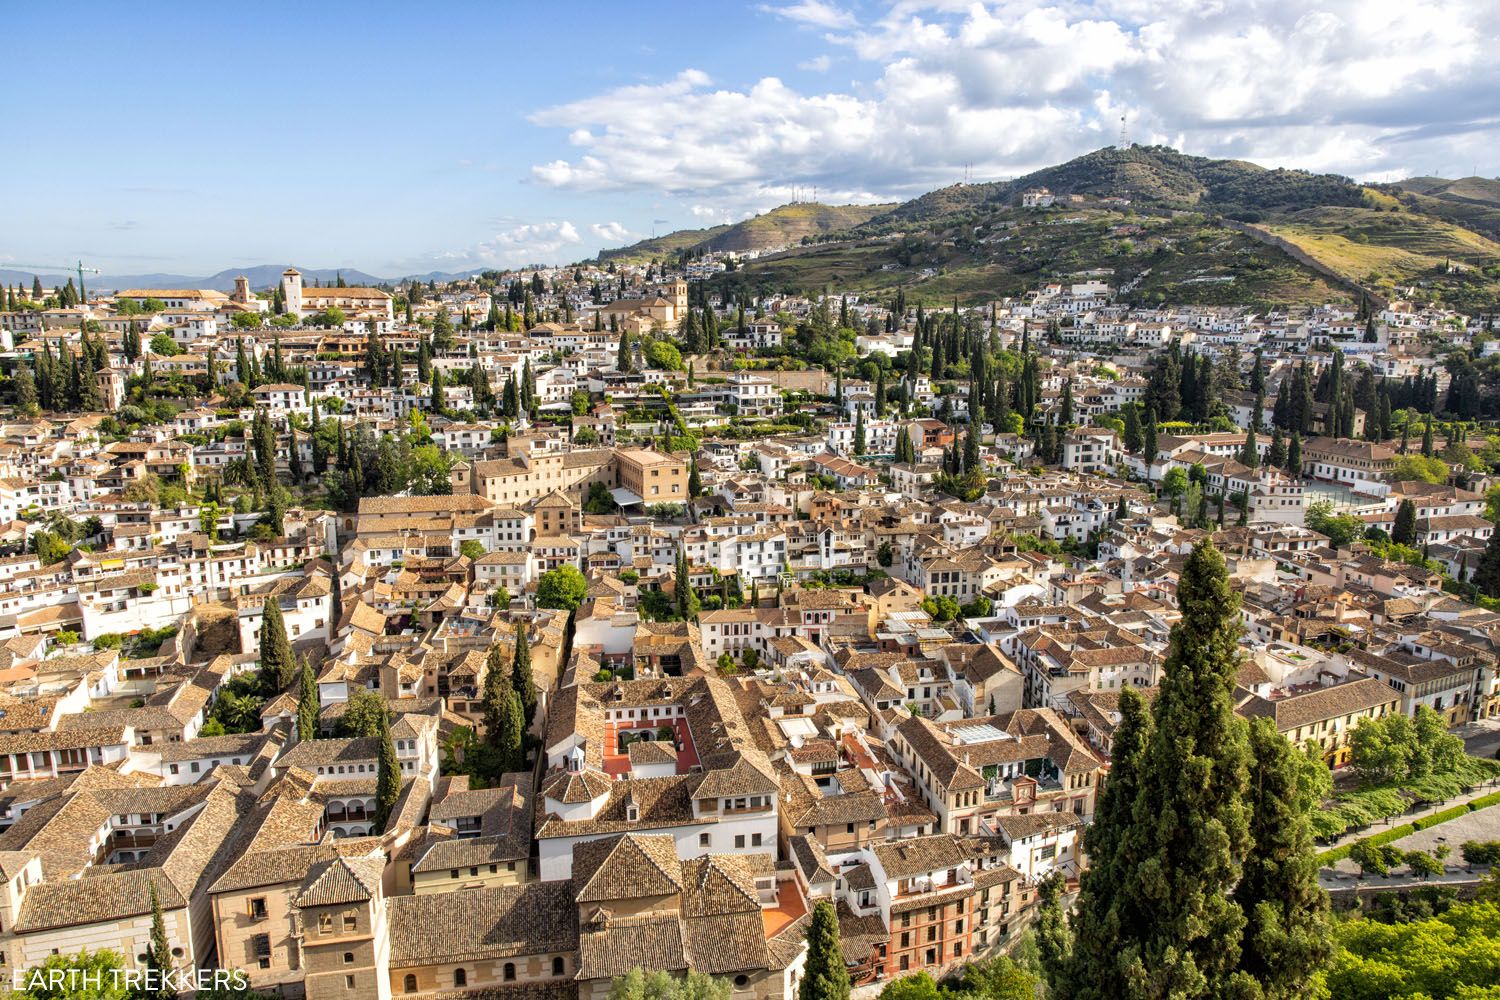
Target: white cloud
{"x": 814, "y": 13}
{"x": 527, "y": 243}
{"x": 1365, "y": 87}
{"x": 611, "y": 232}
{"x": 817, "y": 64}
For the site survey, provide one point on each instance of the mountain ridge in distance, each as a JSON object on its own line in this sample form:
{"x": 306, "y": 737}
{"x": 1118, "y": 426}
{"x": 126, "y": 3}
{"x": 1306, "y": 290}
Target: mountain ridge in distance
{"x": 261, "y": 276}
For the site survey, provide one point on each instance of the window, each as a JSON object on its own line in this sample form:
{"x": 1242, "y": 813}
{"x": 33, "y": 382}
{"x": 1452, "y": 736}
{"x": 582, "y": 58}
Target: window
{"x": 557, "y": 965}
{"x": 260, "y": 948}
{"x": 348, "y": 982}
{"x": 409, "y": 984}
{"x": 348, "y": 958}
{"x": 258, "y": 908}
{"x": 460, "y": 977}
{"x": 702, "y": 840}
{"x": 350, "y": 922}
{"x": 509, "y": 972}
{"x": 325, "y": 924}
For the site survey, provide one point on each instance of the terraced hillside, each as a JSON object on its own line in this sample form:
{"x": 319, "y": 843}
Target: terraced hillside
{"x": 1399, "y": 253}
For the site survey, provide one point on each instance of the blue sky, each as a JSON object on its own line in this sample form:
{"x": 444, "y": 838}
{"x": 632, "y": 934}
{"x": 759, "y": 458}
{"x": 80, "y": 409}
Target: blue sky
{"x": 397, "y": 139}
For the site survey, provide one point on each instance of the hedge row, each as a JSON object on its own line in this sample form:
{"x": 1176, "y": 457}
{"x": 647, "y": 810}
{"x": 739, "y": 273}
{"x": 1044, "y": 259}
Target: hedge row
{"x": 1338, "y": 854}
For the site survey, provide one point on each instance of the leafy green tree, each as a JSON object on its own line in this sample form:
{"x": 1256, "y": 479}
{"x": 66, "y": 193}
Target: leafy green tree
{"x": 366, "y": 714}
{"x": 1286, "y": 938}
{"x": 387, "y": 776}
{"x": 307, "y": 704}
{"x": 562, "y": 588}
{"x": 661, "y": 985}
{"x": 825, "y": 976}
{"x": 277, "y": 661}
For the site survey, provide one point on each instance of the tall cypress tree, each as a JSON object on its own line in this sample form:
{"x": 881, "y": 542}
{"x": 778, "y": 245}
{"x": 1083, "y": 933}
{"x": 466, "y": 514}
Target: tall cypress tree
{"x": 1250, "y": 453}
{"x": 825, "y": 976}
{"x": 159, "y": 955}
{"x": 1191, "y": 821}
{"x": 1148, "y": 438}
{"x": 1286, "y": 937}
{"x": 1487, "y": 574}
{"x": 1404, "y": 530}
{"x": 307, "y": 704}
{"x": 1294, "y": 456}
{"x": 276, "y": 658}
{"x": 1276, "y": 457}
{"x": 521, "y": 679}
{"x": 1105, "y": 911}
{"x": 387, "y": 776}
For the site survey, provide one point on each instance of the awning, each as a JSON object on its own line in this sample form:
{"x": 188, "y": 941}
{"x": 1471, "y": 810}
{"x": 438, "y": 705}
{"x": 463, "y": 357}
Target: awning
{"x": 624, "y": 497}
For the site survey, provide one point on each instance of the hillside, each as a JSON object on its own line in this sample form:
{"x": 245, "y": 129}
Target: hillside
{"x": 1433, "y": 239}
{"x": 787, "y": 225}
{"x": 1400, "y": 252}
{"x": 1150, "y": 177}
{"x": 1164, "y": 259}
{"x": 1479, "y": 190}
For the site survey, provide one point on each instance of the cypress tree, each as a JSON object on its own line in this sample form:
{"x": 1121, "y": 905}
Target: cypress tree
{"x": 1191, "y": 821}
{"x": 1427, "y": 447}
{"x": 387, "y": 776}
{"x": 521, "y": 679}
{"x": 277, "y": 661}
{"x": 1294, "y": 456}
{"x": 825, "y": 976}
{"x": 25, "y": 387}
{"x": 686, "y": 600}
{"x": 1404, "y": 531}
{"x": 1148, "y": 439}
{"x": 307, "y": 704}
{"x": 159, "y": 955}
{"x": 859, "y": 432}
{"x": 1286, "y": 938}
{"x": 1250, "y": 453}
{"x": 1106, "y": 912}
{"x": 496, "y": 690}
{"x": 695, "y": 480}
{"x": 1131, "y": 437}
{"x": 1276, "y": 457}
{"x": 1487, "y": 574}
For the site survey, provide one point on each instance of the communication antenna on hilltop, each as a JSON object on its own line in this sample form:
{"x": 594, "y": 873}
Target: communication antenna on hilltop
{"x": 655, "y": 223}
{"x": 1124, "y": 134}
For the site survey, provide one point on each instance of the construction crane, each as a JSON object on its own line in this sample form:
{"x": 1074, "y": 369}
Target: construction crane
{"x": 76, "y": 266}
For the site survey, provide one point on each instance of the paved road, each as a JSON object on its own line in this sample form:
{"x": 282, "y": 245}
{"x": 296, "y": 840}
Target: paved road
{"x": 1481, "y": 739}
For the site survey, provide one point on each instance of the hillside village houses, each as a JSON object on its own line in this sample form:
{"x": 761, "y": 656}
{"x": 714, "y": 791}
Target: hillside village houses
{"x": 894, "y": 688}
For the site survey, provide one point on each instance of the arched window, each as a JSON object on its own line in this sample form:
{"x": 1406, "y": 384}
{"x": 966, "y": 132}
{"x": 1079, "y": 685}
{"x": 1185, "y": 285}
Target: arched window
{"x": 409, "y": 985}
{"x": 460, "y": 977}
{"x": 509, "y": 973}
{"x": 557, "y": 965}
{"x": 325, "y": 924}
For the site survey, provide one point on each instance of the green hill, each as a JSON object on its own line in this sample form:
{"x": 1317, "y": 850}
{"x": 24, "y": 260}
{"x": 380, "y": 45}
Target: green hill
{"x": 785, "y": 226}
{"x": 1477, "y": 190}
{"x": 1150, "y": 177}
{"x": 1432, "y": 239}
